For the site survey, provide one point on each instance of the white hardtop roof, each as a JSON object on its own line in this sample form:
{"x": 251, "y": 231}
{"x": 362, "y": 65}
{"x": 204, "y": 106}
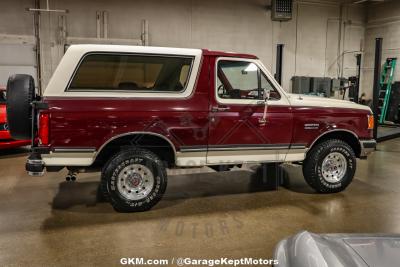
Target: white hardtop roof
{"x": 86, "y": 48}
{"x": 65, "y": 69}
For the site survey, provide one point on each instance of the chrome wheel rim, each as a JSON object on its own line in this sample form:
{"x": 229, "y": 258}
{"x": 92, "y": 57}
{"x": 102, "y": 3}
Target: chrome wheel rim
{"x": 135, "y": 182}
{"x": 334, "y": 167}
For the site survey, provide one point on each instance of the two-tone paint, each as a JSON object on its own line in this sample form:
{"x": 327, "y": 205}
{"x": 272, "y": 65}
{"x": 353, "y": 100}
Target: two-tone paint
{"x": 200, "y": 128}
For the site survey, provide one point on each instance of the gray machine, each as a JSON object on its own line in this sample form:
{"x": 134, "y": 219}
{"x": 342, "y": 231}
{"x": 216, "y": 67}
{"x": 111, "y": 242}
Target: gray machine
{"x": 301, "y": 85}
{"x": 321, "y": 86}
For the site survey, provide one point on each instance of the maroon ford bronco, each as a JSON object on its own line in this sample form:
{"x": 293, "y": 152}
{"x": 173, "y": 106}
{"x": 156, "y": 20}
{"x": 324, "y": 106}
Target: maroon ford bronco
{"x": 131, "y": 112}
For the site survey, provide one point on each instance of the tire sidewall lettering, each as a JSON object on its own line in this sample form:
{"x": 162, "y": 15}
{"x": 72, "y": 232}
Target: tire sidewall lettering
{"x": 153, "y": 167}
{"x": 350, "y": 165}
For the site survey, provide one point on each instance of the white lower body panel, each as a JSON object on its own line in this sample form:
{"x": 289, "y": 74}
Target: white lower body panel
{"x": 239, "y": 156}
{"x": 190, "y": 158}
{"x": 69, "y": 159}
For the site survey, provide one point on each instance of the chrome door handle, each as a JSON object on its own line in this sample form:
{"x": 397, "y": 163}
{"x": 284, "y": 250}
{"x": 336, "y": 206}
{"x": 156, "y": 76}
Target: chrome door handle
{"x": 216, "y": 109}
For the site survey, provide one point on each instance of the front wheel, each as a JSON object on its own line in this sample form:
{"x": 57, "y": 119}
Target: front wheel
{"x": 330, "y": 166}
{"x": 134, "y": 180}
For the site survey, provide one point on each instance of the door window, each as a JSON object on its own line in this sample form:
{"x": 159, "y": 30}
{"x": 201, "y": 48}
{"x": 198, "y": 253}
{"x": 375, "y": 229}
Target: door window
{"x": 242, "y": 80}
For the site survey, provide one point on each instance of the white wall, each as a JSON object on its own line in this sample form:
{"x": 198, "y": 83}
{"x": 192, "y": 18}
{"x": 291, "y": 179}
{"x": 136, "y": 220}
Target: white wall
{"x": 383, "y": 20}
{"x": 311, "y": 38}
{"x": 17, "y": 42}
{"x": 314, "y": 43}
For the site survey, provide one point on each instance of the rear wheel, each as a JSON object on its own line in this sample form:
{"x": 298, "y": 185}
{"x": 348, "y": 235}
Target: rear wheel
{"x": 20, "y": 94}
{"x": 330, "y": 166}
{"x": 134, "y": 180}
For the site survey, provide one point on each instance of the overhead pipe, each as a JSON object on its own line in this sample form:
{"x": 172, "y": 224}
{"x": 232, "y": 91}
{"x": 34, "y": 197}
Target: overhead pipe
{"x": 145, "y": 33}
{"x": 36, "y": 23}
{"x": 98, "y": 24}
{"x": 47, "y": 9}
{"x": 105, "y": 24}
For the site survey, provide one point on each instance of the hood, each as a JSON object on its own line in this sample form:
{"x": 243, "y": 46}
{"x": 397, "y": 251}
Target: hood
{"x": 361, "y": 250}
{"x": 316, "y": 101}
{"x": 3, "y": 115}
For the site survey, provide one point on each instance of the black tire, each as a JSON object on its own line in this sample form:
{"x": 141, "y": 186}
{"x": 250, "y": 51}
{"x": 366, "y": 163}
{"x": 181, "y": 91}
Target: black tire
{"x": 112, "y": 170}
{"x": 312, "y": 166}
{"x": 20, "y": 94}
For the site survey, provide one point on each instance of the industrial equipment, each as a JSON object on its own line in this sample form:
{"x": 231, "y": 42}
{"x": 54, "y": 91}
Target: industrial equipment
{"x": 281, "y": 10}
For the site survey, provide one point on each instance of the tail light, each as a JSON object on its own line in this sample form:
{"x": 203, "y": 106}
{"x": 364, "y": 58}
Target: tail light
{"x": 44, "y": 120}
{"x": 371, "y": 122}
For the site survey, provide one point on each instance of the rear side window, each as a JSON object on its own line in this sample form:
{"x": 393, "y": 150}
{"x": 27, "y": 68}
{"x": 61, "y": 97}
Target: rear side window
{"x": 143, "y": 73}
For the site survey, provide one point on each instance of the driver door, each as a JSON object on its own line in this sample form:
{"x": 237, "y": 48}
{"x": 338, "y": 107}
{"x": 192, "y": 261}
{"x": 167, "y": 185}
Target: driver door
{"x": 236, "y": 134}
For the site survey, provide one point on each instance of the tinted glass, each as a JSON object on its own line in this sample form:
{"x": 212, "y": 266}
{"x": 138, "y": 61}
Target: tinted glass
{"x": 132, "y": 72}
{"x": 237, "y": 80}
{"x": 242, "y": 80}
{"x": 266, "y": 84}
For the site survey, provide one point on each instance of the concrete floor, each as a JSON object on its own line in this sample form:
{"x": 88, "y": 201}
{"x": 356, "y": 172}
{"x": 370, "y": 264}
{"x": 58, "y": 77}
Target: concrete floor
{"x": 388, "y": 132}
{"x": 45, "y": 221}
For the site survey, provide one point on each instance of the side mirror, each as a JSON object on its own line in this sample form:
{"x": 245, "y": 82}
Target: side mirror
{"x": 266, "y": 95}
{"x": 262, "y": 121}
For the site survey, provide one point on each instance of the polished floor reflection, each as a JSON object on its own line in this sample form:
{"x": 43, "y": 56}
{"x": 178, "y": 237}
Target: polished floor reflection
{"x": 45, "y": 221}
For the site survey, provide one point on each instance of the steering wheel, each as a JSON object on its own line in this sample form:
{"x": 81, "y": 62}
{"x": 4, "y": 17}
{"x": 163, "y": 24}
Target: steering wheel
{"x": 253, "y": 93}
{"x": 221, "y": 87}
